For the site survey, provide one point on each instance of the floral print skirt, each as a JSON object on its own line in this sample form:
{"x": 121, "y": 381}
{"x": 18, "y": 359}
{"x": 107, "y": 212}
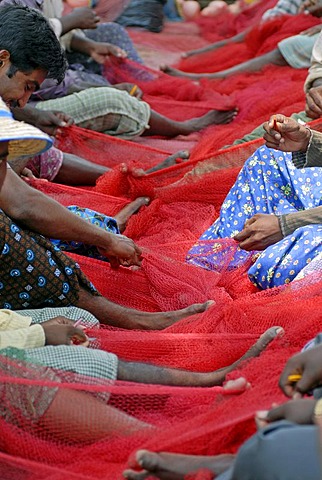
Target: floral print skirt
{"x": 270, "y": 184}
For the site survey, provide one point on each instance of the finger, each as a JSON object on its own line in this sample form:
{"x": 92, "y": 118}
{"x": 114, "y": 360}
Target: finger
{"x": 63, "y": 321}
{"x": 249, "y": 245}
{"x": 114, "y": 262}
{"x": 243, "y": 235}
{"x": 313, "y": 103}
{"x": 275, "y": 414}
{"x": 261, "y": 419}
{"x": 79, "y": 338}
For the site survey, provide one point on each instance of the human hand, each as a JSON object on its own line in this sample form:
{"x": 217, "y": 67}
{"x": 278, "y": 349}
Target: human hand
{"x": 309, "y": 365}
{"x": 259, "y": 232}
{"x": 313, "y": 7}
{"x": 313, "y": 106}
{"x": 297, "y": 411}
{"x": 83, "y": 17}
{"x": 286, "y": 134}
{"x": 121, "y": 251}
{"x": 27, "y": 173}
{"x": 128, "y": 87}
{"x": 59, "y": 332}
{"x": 100, "y": 52}
{"x": 50, "y": 121}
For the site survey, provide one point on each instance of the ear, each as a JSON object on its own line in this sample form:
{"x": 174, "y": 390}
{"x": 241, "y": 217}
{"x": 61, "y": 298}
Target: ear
{"x": 4, "y": 58}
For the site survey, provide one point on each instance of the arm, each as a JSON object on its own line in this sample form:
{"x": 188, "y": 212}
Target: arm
{"x": 82, "y": 18}
{"x": 43, "y": 215}
{"x": 98, "y": 51}
{"x": 15, "y": 331}
{"x": 239, "y": 37}
{"x": 47, "y": 121}
{"x": 290, "y": 222}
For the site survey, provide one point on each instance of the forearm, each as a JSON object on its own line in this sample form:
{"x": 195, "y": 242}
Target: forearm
{"x": 68, "y": 23}
{"x": 81, "y": 44}
{"x": 290, "y": 222}
{"x": 39, "y": 213}
{"x": 26, "y": 114}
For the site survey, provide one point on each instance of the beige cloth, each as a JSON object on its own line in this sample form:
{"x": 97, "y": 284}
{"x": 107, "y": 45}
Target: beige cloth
{"x": 315, "y": 71}
{"x": 15, "y": 331}
{"x": 53, "y": 10}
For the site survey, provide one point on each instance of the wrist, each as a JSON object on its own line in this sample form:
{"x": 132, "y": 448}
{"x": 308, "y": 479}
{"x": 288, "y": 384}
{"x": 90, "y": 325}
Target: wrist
{"x": 307, "y": 140}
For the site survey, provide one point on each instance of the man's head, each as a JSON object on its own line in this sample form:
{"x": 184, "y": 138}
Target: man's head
{"x": 29, "y": 52}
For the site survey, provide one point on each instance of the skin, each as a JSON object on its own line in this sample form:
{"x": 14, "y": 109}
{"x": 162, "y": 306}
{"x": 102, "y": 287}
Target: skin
{"x": 168, "y": 466}
{"x": 83, "y": 18}
{"x": 61, "y": 331}
{"x": 309, "y": 365}
{"x": 287, "y": 135}
{"x": 16, "y": 91}
{"x": 254, "y": 65}
{"x": 41, "y": 214}
{"x": 313, "y": 105}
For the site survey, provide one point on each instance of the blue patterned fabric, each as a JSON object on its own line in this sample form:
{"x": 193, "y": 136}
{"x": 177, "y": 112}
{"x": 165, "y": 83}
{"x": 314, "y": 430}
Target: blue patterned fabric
{"x": 270, "y": 184}
{"x": 100, "y": 220}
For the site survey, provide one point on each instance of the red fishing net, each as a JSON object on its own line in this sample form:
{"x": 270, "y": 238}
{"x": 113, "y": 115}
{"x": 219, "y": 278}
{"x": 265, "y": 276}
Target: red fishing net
{"x": 109, "y": 421}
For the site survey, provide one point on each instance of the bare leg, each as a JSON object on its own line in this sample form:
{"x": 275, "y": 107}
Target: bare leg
{"x": 123, "y": 216}
{"x": 110, "y": 313}
{"x": 78, "y": 171}
{"x": 214, "y": 46}
{"x": 151, "y": 374}
{"x": 169, "y": 161}
{"x": 160, "y": 125}
{"x": 173, "y": 466}
{"x": 254, "y": 65}
{"x": 75, "y": 416}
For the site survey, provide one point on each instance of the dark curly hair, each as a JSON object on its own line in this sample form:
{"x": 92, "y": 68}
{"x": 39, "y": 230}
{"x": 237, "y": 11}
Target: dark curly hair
{"x": 28, "y": 37}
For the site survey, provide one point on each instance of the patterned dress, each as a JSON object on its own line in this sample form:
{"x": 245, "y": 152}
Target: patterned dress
{"x": 270, "y": 184}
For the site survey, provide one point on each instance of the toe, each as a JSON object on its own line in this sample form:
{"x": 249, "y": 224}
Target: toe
{"x": 133, "y": 475}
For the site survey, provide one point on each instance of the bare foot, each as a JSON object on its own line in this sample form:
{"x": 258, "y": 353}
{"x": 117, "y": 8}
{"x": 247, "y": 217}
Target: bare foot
{"x": 214, "y": 117}
{"x": 174, "y": 72}
{"x": 218, "y": 376}
{"x": 161, "y": 320}
{"x": 123, "y": 216}
{"x": 237, "y": 386}
{"x": 172, "y": 466}
{"x": 171, "y": 160}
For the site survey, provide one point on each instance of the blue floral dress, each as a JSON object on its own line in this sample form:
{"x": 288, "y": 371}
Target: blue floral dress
{"x": 270, "y": 184}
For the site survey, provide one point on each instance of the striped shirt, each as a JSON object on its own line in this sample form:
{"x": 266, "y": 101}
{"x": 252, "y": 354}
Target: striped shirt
{"x": 283, "y": 7}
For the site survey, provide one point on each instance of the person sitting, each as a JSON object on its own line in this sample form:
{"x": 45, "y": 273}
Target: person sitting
{"x": 105, "y": 109}
{"x": 39, "y": 217}
{"x": 44, "y": 352}
{"x": 55, "y": 338}
{"x": 70, "y": 169}
{"x": 273, "y": 208}
{"x": 294, "y": 51}
{"x": 48, "y": 336}
{"x": 191, "y": 9}
{"x": 282, "y": 7}
{"x": 285, "y": 448}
